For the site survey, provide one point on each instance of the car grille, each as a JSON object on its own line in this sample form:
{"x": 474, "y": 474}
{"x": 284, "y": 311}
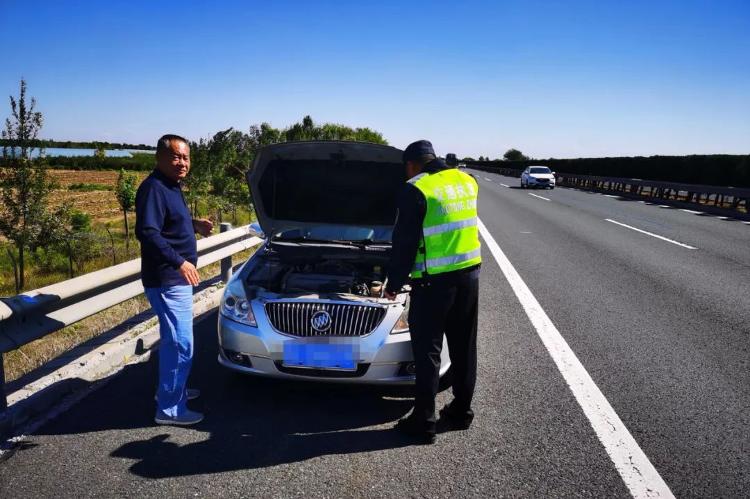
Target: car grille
{"x": 295, "y": 318}
{"x": 542, "y": 180}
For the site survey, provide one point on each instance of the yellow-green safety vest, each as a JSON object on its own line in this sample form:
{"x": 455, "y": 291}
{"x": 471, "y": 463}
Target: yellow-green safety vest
{"x": 450, "y": 236}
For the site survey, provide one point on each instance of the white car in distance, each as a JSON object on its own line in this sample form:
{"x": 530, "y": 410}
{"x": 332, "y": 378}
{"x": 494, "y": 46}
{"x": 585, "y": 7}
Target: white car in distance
{"x": 538, "y": 176}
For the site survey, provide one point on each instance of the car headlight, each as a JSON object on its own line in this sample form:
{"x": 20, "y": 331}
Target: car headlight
{"x": 235, "y": 305}
{"x": 402, "y": 324}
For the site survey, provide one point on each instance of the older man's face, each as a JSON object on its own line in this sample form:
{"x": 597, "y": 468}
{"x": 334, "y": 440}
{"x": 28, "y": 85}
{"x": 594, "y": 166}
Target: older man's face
{"x": 174, "y": 163}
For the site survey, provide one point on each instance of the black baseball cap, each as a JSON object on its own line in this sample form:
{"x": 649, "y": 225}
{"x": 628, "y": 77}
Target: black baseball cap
{"x": 418, "y": 149}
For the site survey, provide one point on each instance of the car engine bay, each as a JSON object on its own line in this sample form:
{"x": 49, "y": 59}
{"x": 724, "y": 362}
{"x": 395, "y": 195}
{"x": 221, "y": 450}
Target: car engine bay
{"x": 287, "y": 270}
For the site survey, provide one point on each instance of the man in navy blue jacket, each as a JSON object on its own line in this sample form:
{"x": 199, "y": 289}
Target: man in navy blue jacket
{"x": 166, "y": 231}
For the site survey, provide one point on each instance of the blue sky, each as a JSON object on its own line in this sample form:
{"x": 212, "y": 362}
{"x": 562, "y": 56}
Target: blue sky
{"x": 552, "y": 78}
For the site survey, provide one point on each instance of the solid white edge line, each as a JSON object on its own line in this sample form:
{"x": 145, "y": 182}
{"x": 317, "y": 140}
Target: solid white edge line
{"x": 634, "y": 467}
{"x": 538, "y": 196}
{"x": 657, "y": 236}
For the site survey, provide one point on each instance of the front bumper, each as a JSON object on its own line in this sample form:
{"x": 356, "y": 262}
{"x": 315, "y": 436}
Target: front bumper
{"x": 384, "y": 358}
{"x": 531, "y": 182}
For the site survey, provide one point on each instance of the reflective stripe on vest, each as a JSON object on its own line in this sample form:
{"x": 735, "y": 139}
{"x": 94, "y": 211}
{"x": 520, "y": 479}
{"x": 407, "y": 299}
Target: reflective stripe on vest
{"x": 450, "y": 236}
{"x": 448, "y": 260}
{"x": 437, "y": 229}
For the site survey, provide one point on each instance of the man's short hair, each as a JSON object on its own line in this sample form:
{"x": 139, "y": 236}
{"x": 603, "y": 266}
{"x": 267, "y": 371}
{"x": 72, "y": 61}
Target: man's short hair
{"x": 165, "y": 142}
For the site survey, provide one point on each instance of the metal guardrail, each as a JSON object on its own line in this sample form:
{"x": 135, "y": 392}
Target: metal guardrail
{"x": 35, "y": 314}
{"x": 729, "y": 198}
{"x": 732, "y": 201}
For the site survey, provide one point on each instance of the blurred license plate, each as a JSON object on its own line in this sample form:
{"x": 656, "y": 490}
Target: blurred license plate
{"x": 320, "y": 355}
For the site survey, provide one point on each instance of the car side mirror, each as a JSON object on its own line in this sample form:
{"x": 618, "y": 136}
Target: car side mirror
{"x": 255, "y": 227}
{"x": 554, "y": 173}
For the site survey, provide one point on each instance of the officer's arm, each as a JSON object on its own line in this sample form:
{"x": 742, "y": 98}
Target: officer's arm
{"x": 406, "y": 235}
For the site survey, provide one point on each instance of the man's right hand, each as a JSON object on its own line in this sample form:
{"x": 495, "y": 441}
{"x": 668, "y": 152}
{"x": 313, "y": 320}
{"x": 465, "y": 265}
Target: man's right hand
{"x": 190, "y": 273}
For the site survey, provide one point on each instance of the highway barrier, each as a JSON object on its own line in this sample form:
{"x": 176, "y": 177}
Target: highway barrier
{"x": 35, "y": 314}
{"x": 727, "y": 201}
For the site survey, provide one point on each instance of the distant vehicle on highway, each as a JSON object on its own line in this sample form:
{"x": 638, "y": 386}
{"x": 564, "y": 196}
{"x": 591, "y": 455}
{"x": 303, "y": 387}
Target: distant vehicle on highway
{"x": 451, "y": 160}
{"x": 308, "y": 304}
{"x": 538, "y": 176}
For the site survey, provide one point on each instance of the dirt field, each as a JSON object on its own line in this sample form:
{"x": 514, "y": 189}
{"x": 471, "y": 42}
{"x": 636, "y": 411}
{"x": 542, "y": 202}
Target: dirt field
{"x": 106, "y": 177}
{"x": 101, "y": 205}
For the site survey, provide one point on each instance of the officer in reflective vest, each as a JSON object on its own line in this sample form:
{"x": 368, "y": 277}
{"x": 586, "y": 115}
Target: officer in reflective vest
{"x": 436, "y": 248}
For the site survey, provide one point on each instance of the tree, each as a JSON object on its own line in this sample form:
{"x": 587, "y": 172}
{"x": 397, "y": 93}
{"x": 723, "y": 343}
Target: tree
{"x": 24, "y": 185}
{"x": 125, "y": 190}
{"x": 100, "y": 152}
{"x": 514, "y": 155}
{"x": 72, "y": 236}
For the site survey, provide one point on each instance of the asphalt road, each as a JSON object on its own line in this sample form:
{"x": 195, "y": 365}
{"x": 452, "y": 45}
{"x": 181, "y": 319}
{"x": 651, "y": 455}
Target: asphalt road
{"x": 661, "y": 329}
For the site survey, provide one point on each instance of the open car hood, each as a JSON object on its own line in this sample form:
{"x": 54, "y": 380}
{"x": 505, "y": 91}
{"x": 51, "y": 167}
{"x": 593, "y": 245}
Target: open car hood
{"x": 327, "y": 190}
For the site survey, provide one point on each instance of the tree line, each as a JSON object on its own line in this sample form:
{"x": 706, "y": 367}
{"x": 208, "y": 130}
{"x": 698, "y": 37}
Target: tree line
{"x": 713, "y": 169}
{"x": 68, "y": 144}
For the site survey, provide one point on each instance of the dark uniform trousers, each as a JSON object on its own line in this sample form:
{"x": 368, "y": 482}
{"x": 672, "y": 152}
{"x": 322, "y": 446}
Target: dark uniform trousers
{"x": 444, "y": 304}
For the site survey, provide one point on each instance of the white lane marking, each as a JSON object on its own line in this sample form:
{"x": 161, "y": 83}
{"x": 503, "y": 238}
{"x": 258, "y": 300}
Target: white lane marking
{"x": 538, "y": 196}
{"x": 504, "y": 185}
{"x": 487, "y": 179}
{"x": 639, "y": 475}
{"x": 694, "y": 212}
{"x": 746, "y": 223}
{"x": 611, "y": 196}
{"x": 657, "y": 236}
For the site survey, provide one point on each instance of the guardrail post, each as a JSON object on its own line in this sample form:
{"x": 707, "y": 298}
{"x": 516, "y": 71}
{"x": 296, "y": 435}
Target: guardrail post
{"x": 226, "y": 263}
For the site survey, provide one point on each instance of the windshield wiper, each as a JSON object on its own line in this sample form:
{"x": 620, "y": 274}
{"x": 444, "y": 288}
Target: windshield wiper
{"x": 300, "y": 239}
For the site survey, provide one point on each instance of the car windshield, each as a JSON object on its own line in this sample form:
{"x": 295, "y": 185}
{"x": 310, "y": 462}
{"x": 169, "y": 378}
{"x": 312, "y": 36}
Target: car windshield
{"x": 540, "y": 169}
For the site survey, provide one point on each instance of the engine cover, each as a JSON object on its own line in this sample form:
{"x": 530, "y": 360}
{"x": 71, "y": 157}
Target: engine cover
{"x": 320, "y": 283}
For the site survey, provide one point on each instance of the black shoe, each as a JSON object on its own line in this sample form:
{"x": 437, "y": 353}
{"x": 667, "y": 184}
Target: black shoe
{"x": 419, "y": 430}
{"x": 452, "y": 421}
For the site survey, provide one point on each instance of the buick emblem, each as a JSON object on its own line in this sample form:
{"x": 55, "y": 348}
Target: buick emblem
{"x": 321, "y": 321}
